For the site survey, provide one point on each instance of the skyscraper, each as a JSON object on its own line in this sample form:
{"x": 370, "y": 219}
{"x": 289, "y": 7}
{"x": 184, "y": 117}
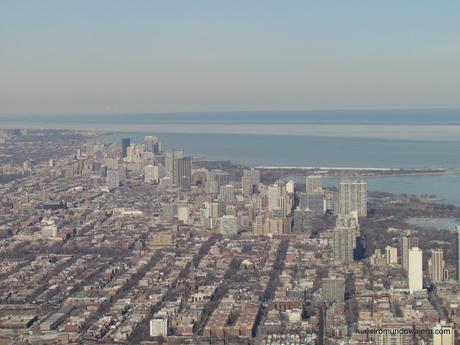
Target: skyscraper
{"x": 125, "y": 142}
{"x": 436, "y": 266}
{"x": 353, "y": 197}
{"x": 182, "y": 172}
{"x": 415, "y": 269}
{"x": 290, "y": 187}
{"x": 314, "y": 184}
{"x": 344, "y": 242}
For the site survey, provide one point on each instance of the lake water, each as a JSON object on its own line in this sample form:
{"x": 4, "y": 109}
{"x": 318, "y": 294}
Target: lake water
{"x": 378, "y": 138}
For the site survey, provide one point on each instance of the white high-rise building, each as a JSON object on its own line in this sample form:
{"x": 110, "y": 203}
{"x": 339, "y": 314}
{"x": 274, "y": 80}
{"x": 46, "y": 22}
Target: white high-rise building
{"x": 290, "y": 187}
{"x": 159, "y": 326}
{"x": 415, "y": 269}
{"x": 152, "y": 174}
{"x": 353, "y": 197}
{"x": 314, "y": 184}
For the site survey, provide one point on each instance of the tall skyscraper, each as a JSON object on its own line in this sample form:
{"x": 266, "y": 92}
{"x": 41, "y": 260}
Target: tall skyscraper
{"x": 344, "y": 242}
{"x": 407, "y": 242}
{"x": 125, "y": 142}
{"x": 314, "y": 184}
{"x": 415, "y": 269}
{"x": 353, "y": 197}
{"x": 436, "y": 266}
{"x": 182, "y": 172}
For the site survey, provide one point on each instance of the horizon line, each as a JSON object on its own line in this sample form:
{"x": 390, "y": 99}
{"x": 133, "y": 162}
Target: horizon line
{"x": 67, "y": 113}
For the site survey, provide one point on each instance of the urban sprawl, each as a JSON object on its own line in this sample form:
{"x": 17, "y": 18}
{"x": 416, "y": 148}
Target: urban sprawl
{"x": 135, "y": 243}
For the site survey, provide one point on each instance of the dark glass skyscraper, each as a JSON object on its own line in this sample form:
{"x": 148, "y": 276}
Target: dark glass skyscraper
{"x": 125, "y": 142}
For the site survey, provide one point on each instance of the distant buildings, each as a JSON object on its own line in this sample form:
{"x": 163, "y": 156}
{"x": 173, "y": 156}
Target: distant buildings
{"x": 353, "y": 197}
{"x": 415, "y": 269}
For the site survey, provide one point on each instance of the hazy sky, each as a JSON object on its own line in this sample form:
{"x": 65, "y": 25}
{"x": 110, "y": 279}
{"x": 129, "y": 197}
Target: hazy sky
{"x": 153, "y": 56}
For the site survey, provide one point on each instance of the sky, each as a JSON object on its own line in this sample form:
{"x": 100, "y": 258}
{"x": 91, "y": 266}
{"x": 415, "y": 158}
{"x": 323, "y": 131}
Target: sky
{"x": 107, "y": 56}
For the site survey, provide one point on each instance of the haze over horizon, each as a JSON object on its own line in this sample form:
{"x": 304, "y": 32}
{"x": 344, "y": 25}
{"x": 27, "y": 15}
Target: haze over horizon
{"x": 158, "y": 56}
